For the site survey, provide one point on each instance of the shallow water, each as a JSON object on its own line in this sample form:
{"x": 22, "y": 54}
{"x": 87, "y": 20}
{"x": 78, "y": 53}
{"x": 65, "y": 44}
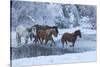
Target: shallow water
{"x": 86, "y": 43}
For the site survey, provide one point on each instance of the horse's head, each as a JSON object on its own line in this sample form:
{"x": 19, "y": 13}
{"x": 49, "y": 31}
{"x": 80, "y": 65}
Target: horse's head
{"x": 53, "y": 32}
{"x": 78, "y": 33}
{"x": 56, "y": 29}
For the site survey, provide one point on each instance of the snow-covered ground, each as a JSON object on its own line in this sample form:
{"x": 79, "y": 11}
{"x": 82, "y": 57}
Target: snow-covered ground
{"x": 57, "y": 59}
{"x": 86, "y": 47}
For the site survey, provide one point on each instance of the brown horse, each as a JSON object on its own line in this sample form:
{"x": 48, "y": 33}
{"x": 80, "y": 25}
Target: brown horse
{"x": 39, "y": 28}
{"x": 70, "y": 37}
{"x": 46, "y": 35}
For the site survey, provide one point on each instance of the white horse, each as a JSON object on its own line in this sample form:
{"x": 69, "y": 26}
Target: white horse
{"x": 22, "y": 31}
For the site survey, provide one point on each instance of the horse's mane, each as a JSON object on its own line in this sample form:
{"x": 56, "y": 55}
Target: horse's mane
{"x": 55, "y": 28}
{"x": 77, "y": 31}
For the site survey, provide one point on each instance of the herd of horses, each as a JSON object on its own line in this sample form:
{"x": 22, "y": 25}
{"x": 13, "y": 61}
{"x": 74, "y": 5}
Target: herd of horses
{"x": 44, "y": 33}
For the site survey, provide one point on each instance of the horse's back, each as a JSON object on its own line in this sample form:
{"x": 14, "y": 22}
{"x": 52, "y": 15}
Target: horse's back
{"x": 65, "y": 35}
{"x": 21, "y": 30}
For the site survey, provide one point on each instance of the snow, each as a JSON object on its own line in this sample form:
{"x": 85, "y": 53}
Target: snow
{"x": 71, "y": 30}
{"x": 49, "y": 13}
{"x": 66, "y": 58}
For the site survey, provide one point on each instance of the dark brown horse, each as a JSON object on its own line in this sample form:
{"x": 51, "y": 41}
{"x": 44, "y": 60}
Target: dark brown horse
{"x": 46, "y": 35}
{"x": 70, "y": 37}
{"x": 46, "y": 27}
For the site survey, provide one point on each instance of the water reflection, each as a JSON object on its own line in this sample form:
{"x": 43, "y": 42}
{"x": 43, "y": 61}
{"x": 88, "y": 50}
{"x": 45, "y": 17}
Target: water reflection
{"x": 34, "y": 51}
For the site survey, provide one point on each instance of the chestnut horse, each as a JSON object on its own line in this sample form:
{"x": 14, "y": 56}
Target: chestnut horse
{"x": 39, "y": 28}
{"x": 46, "y": 35}
{"x": 70, "y": 37}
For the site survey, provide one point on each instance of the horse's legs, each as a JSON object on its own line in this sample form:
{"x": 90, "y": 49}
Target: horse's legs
{"x": 53, "y": 41}
{"x": 18, "y": 38}
{"x": 62, "y": 42}
{"x": 31, "y": 35}
{"x": 26, "y": 40}
{"x": 73, "y": 45}
{"x": 35, "y": 39}
{"x": 66, "y": 42}
{"x": 46, "y": 41}
{"x": 41, "y": 40}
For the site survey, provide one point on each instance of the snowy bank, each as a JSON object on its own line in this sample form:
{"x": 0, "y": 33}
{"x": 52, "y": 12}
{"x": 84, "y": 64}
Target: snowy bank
{"x": 66, "y": 58}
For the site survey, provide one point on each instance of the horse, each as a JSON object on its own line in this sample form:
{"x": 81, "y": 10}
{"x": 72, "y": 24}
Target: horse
{"x": 22, "y": 31}
{"x": 70, "y": 37}
{"x": 46, "y": 35}
{"x": 40, "y": 27}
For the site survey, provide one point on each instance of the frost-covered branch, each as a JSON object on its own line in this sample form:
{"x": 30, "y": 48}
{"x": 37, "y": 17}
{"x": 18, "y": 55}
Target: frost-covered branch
{"x": 31, "y": 18}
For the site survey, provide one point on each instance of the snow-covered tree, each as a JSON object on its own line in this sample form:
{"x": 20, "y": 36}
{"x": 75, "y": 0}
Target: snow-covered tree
{"x": 62, "y": 15}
